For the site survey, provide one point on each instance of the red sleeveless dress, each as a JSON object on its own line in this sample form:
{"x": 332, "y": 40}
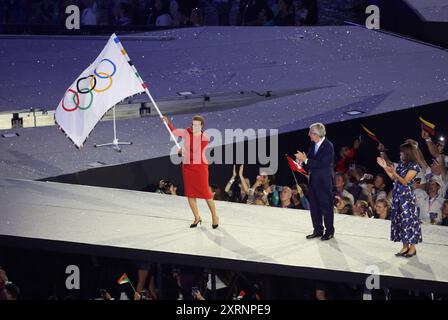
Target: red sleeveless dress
{"x": 194, "y": 164}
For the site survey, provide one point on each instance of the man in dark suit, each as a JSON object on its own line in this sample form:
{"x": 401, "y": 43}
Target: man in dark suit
{"x": 319, "y": 161}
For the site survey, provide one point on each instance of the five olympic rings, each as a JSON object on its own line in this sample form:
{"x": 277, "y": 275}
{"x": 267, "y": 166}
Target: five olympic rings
{"x": 92, "y": 87}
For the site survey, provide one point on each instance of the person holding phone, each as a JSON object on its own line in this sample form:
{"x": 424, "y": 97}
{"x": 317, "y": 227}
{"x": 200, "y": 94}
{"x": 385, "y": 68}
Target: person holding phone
{"x": 195, "y": 168}
{"x": 405, "y": 222}
{"x": 196, "y": 294}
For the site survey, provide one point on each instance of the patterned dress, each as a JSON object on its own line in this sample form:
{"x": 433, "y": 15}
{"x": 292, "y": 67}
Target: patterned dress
{"x": 405, "y": 222}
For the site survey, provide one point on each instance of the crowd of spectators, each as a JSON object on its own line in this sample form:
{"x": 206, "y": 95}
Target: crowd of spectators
{"x": 175, "y": 13}
{"x": 358, "y": 191}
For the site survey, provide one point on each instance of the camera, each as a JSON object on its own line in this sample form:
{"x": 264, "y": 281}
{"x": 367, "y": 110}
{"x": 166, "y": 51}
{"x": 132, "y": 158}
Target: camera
{"x": 258, "y": 192}
{"x": 433, "y": 216}
{"x": 277, "y": 188}
{"x": 194, "y": 291}
{"x": 165, "y": 186}
{"x": 367, "y": 179}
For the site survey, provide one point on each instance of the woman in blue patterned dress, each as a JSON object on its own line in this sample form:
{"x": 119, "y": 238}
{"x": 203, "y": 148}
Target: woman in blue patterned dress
{"x": 405, "y": 222}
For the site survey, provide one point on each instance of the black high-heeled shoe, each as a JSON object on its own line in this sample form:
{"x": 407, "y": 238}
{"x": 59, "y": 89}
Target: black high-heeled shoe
{"x": 408, "y": 255}
{"x": 401, "y": 254}
{"x": 194, "y": 225}
{"x": 214, "y": 226}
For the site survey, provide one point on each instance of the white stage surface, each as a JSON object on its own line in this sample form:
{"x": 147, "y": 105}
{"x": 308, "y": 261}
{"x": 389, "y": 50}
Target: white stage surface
{"x": 155, "y": 227}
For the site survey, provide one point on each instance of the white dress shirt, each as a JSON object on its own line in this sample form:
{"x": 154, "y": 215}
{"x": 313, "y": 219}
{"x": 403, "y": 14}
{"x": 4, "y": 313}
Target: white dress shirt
{"x": 318, "y": 144}
{"x": 427, "y": 205}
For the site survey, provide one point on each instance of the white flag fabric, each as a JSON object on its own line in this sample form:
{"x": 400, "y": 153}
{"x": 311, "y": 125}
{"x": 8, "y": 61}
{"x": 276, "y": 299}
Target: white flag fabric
{"x": 107, "y": 81}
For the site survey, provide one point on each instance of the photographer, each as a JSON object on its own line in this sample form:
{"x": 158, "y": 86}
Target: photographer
{"x": 258, "y": 195}
{"x": 196, "y": 293}
{"x": 166, "y": 187}
{"x": 260, "y": 191}
{"x": 362, "y": 209}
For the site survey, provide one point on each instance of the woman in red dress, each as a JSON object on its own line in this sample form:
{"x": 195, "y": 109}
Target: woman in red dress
{"x": 195, "y": 168}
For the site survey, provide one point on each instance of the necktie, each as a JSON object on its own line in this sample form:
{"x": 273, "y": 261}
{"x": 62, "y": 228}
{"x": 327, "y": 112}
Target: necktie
{"x": 315, "y": 148}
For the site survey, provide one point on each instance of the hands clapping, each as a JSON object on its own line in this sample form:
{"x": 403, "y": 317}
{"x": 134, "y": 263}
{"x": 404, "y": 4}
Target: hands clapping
{"x": 301, "y": 156}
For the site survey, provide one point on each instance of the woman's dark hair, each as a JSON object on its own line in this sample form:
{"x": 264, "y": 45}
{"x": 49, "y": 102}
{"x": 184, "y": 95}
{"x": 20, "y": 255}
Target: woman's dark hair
{"x": 382, "y": 176}
{"x": 408, "y": 152}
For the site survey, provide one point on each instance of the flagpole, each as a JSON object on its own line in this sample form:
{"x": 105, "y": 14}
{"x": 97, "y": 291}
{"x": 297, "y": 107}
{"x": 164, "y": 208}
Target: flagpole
{"x": 132, "y": 286}
{"x": 295, "y": 179}
{"x": 115, "y": 143}
{"x": 304, "y": 174}
{"x": 115, "y": 130}
{"x": 161, "y": 117}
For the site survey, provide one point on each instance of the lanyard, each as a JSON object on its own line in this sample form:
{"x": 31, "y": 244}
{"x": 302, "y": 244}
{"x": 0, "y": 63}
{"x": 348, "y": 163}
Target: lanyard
{"x": 431, "y": 202}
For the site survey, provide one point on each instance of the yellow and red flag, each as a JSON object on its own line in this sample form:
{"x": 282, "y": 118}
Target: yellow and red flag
{"x": 371, "y": 134}
{"x": 427, "y": 126}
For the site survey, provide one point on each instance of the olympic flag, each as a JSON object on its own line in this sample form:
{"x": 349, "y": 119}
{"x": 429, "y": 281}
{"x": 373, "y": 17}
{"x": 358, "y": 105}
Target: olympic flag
{"x": 107, "y": 81}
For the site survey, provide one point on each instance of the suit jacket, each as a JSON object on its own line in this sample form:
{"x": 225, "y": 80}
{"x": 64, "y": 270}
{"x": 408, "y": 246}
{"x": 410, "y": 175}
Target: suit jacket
{"x": 320, "y": 166}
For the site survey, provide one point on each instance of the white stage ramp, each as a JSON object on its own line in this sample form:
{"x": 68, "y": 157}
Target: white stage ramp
{"x": 155, "y": 227}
